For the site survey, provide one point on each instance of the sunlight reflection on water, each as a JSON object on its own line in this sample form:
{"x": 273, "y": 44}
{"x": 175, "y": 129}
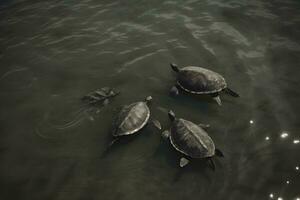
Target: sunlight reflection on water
{"x": 59, "y": 50}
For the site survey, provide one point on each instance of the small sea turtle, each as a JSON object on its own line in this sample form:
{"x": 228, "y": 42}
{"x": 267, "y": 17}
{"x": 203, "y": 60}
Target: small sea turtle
{"x": 198, "y": 80}
{"x": 191, "y": 140}
{"x": 100, "y": 96}
{"x": 133, "y": 118}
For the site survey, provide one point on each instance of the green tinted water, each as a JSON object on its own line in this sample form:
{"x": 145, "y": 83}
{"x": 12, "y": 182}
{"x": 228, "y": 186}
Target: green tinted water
{"x": 54, "y": 52}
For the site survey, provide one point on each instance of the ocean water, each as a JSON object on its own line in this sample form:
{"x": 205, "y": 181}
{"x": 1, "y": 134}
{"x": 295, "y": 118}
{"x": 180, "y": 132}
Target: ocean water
{"x": 54, "y": 52}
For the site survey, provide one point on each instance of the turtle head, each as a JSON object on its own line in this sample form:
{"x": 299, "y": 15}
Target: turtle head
{"x": 174, "y": 67}
{"x": 113, "y": 93}
{"x": 109, "y": 92}
{"x": 148, "y": 99}
{"x": 171, "y": 115}
{"x": 106, "y": 89}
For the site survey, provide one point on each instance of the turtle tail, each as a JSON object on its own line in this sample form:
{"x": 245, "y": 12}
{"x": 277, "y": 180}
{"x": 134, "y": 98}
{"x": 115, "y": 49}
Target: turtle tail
{"x": 174, "y": 67}
{"x": 232, "y": 93}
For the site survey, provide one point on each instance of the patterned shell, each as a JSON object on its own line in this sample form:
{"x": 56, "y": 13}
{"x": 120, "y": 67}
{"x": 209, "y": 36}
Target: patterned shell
{"x": 131, "y": 119}
{"x": 199, "y": 80}
{"x": 191, "y": 140}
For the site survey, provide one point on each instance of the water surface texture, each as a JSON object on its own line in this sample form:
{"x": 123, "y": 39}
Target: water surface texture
{"x": 54, "y": 52}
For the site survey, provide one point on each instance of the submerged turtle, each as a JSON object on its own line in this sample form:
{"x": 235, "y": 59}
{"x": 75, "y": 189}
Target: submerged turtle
{"x": 198, "y": 80}
{"x": 101, "y": 95}
{"x": 191, "y": 140}
{"x": 133, "y": 118}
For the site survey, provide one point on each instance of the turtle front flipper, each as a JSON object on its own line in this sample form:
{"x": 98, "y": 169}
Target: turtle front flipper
{"x": 217, "y": 98}
{"x": 174, "y": 91}
{"x": 183, "y": 162}
{"x": 174, "y": 67}
{"x": 91, "y": 98}
{"x": 231, "y": 92}
{"x": 156, "y": 124}
{"x": 204, "y": 126}
{"x": 219, "y": 153}
{"x": 105, "y": 102}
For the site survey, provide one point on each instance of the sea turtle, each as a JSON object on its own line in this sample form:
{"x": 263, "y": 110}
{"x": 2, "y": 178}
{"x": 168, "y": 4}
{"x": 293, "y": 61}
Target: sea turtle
{"x": 101, "y": 95}
{"x": 132, "y": 118}
{"x": 198, "y": 80}
{"x": 191, "y": 140}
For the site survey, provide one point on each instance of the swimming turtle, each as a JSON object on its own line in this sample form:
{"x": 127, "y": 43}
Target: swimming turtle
{"x": 191, "y": 140}
{"x": 198, "y": 80}
{"x": 133, "y": 118}
{"x": 101, "y": 95}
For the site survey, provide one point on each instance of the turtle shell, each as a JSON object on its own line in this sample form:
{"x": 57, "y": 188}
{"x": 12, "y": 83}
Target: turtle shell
{"x": 131, "y": 119}
{"x": 191, "y": 140}
{"x": 199, "y": 80}
{"x": 99, "y": 95}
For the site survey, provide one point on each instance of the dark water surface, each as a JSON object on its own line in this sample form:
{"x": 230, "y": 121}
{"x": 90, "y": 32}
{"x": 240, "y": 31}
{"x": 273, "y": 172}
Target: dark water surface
{"x": 54, "y": 52}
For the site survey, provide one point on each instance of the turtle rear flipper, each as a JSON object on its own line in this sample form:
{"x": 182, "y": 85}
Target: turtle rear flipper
{"x": 183, "y": 162}
{"x": 211, "y": 163}
{"x": 165, "y": 134}
{"x": 218, "y": 100}
{"x": 231, "y": 92}
{"x": 112, "y": 142}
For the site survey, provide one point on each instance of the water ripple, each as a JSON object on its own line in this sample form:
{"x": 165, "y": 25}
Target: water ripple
{"x": 283, "y": 42}
{"x": 222, "y": 27}
{"x": 137, "y": 48}
{"x": 137, "y": 59}
{"x": 141, "y": 28}
{"x": 13, "y": 71}
{"x": 77, "y": 45}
